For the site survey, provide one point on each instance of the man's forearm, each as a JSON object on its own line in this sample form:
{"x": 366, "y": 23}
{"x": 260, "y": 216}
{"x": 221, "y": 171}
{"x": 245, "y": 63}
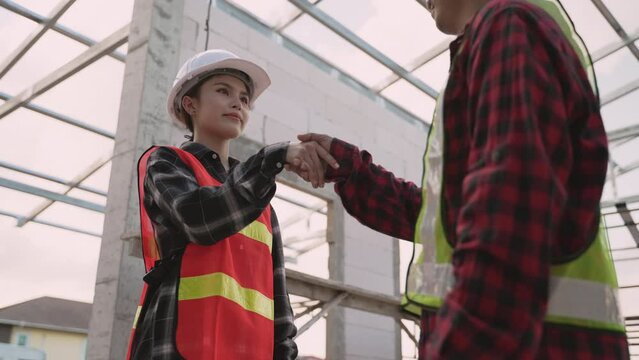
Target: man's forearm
{"x": 373, "y": 195}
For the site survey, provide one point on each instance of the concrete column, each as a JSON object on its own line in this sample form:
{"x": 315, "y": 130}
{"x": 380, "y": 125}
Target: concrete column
{"x": 335, "y": 326}
{"x": 370, "y": 261}
{"x": 152, "y": 61}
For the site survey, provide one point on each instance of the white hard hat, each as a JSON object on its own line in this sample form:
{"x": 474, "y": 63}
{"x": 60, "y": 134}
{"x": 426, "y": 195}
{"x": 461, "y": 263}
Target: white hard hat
{"x": 212, "y": 62}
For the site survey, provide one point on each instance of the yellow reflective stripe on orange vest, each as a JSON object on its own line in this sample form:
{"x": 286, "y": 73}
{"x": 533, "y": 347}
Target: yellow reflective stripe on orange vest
{"x": 220, "y": 284}
{"x": 258, "y": 232}
{"x": 137, "y": 316}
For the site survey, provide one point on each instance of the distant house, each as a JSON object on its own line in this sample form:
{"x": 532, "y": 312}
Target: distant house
{"x": 17, "y": 352}
{"x": 55, "y": 326}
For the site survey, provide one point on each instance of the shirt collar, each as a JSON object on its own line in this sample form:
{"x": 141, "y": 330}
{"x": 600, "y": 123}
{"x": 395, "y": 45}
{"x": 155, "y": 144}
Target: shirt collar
{"x": 203, "y": 153}
{"x": 456, "y": 45}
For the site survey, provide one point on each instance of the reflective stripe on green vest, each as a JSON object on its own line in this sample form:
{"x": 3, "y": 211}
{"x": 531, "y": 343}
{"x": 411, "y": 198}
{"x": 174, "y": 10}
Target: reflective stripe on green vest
{"x": 582, "y": 292}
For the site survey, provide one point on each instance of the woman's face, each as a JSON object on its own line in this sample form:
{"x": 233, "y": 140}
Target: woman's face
{"x": 221, "y": 109}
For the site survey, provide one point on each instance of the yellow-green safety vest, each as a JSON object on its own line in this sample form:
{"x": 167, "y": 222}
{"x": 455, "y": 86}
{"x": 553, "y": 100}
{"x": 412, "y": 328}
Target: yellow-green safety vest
{"x": 582, "y": 291}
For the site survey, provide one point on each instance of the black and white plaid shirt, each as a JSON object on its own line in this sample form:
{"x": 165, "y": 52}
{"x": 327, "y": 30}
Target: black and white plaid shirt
{"x": 184, "y": 212}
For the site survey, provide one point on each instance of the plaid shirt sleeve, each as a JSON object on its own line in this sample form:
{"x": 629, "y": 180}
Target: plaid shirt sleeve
{"x": 373, "y": 195}
{"x": 514, "y": 193}
{"x": 285, "y": 330}
{"x": 208, "y": 214}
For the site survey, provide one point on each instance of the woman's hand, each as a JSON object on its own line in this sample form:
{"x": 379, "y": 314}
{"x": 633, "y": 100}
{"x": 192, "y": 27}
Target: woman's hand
{"x": 309, "y": 159}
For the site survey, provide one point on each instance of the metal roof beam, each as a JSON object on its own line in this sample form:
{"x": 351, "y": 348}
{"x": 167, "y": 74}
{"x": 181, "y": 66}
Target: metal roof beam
{"x": 322, "y": 64}
{"x": 614, "y": 47}
{"x": 626, "y": 199}
{"x": 85, "y": 59}
{"x": 32, "y": 38}
{"x": 628, "y": 168}
{"x": 24, "y": 12}
{"x": 628, "y": 221}
{"x": 620, "y": 92}
{"x": 359, "y": 43}
{"x": 52, "y": 224}
{"x": 603, "y": 9}
{"x": 298, "y": 13}
{"x": 61, "y": 117}
{"x": 97, "y": 165}
{"x": 414, "y": 65}
{"x": 40, "y": 175}
{"x": 623, "y": 133}
{"x": 18, "y": 186}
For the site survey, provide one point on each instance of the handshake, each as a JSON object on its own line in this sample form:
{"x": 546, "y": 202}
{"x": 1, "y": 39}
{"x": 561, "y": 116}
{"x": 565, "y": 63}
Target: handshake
{"x": 309, "y": 158}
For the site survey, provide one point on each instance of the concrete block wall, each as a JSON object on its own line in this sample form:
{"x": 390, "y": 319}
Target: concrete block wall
{"x": 305, "y": 98}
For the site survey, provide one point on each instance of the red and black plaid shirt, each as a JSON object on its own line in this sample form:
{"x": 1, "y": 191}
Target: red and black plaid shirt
{"x": 525, "y": 164}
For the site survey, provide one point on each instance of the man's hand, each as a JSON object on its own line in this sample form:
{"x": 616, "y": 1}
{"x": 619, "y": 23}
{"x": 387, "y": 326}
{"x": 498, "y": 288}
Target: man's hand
{"x": 308, "y": 160}
{"x": 323, "y": 143}
{"x": 324, "y": 140}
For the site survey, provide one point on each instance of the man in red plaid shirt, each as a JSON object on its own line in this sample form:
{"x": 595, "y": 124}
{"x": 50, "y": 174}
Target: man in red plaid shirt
{"x": 514, "y": 263}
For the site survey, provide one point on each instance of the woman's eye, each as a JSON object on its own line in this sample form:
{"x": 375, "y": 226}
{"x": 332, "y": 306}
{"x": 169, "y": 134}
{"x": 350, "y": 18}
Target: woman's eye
{"x": 223, "y": 91}
{"x": 244, "y": 100}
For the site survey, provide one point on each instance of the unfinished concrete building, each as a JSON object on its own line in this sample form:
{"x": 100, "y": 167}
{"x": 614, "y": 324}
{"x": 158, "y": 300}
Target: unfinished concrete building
{"x": 331, "y": 73}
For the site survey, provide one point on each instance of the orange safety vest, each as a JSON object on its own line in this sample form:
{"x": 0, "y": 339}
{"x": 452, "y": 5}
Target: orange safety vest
{"x": 225, "y": 291}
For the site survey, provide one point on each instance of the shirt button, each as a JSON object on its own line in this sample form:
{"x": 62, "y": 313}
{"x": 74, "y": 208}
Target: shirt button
{"x": 279, "y": 165}
{"x": 214, "y": 156}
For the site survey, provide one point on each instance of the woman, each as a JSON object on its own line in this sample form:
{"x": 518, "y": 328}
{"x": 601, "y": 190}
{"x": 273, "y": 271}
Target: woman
{"x": 215, "y": 287}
